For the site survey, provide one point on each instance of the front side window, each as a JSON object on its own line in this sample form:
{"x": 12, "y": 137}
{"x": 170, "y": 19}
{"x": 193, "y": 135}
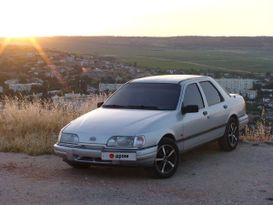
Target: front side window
{"x": 149, "y": 96}
{"x": 212, "y": 94}
{"x": 193, "y": 96}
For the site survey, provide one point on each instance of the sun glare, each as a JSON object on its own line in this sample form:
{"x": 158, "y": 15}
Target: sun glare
{"x": 34, "y": 43}
{"x": 4, "y": 44}
{"x": 45, "y": 58}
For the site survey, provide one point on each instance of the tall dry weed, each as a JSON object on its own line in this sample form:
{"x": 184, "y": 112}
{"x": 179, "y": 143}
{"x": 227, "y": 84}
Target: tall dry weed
{"x": 260, "y": 133}
{"x": 33, "y": 127}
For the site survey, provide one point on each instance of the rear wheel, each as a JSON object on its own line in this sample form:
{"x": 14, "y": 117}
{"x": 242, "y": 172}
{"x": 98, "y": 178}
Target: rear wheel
{"x": 231, "y": 137}
{"x": 167, "y": 158}
{"x": 78, "y": 165}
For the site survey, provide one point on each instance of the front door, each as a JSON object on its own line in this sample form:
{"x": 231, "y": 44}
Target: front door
{"x": 194, "y": 124}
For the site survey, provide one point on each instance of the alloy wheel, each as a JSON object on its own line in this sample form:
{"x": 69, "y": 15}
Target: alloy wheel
{"x": 166, "y": 159}
{"x": 233, "y": 134}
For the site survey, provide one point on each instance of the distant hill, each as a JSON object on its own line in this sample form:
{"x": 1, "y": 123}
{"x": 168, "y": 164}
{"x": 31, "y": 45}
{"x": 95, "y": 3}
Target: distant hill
{"x": 86, "y": 43}
{"x": 246, "y": 54}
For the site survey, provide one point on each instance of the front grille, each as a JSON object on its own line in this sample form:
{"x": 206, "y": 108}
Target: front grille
{"x": 84, "y": 146}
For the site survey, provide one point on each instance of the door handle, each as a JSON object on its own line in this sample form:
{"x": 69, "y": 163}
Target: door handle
{"x": 225, "y": 106}
{"x": 205, "y": 113}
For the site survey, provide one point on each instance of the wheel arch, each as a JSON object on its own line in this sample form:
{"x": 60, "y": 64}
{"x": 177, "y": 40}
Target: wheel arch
{"x": 168, "y": 135}
{"x": 235, "y": 117}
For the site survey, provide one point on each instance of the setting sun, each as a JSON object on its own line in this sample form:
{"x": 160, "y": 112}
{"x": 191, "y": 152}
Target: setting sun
{"x": 135, "y": 18}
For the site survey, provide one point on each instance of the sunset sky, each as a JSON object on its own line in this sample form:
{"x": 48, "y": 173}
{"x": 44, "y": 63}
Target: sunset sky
{"x": 19, "y": 18}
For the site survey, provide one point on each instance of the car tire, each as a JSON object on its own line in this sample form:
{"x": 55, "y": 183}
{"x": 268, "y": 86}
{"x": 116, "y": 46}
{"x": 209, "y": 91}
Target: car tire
{"x": 167, "y": 158}
{"x": 230, "y": 139}
{"x": 78, "y": 165}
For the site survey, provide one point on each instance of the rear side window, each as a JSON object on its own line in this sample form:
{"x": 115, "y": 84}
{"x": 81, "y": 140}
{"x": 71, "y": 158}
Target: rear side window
{"x": 212, "y": 94}
{"x": 193, "y": 96}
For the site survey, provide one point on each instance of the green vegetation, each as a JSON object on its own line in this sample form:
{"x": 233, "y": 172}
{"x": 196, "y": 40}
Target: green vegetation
{"x": 248, "y": 61}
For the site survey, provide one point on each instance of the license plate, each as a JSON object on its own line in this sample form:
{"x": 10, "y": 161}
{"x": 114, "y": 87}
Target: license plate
{"x": 118, "y": 156}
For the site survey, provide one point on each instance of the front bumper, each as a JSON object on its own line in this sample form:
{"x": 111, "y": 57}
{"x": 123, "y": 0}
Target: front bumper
{"x": 92, "y": 154}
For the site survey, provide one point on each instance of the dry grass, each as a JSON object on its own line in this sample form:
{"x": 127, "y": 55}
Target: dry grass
{"x": 33, "y": 127}
{"x": 258, "y": 135}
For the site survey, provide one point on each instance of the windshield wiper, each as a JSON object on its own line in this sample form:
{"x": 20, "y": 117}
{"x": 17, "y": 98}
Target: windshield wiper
{"x": 142, "y": 107}
{"x": 114, "y": 106}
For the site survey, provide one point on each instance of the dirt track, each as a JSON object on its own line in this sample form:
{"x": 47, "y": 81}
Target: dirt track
{"x": 205, "y": 176}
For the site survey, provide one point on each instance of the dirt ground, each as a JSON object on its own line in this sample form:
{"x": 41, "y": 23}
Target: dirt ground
{"x": 205, "y": 176}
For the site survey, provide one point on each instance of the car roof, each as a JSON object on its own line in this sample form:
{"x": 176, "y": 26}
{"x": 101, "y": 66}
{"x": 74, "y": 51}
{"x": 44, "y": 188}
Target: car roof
{"x": 165, "y": 78}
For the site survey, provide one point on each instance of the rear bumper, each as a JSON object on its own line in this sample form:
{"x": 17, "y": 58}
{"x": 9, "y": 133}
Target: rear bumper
{"x": 243, "y": 120}
{"x": 144, "y": 156}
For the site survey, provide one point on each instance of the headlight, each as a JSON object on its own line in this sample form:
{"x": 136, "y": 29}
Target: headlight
{"x": 69, "y": 138}
{"x": 126, "y": 141}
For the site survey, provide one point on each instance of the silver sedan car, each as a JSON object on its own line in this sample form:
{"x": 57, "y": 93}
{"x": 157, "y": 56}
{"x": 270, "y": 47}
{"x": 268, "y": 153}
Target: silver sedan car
{"x": 150, "y": 120}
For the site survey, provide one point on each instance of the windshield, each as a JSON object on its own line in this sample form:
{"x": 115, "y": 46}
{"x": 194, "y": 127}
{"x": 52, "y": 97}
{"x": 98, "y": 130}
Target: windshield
{"x": 149, "y": 96}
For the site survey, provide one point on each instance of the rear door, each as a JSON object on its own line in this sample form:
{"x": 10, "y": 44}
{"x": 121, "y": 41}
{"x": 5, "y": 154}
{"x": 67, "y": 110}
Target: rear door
{"x": 216, "y": 110}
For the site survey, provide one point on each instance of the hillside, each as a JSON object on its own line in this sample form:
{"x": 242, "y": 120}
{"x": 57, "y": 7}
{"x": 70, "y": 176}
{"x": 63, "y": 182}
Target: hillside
{"x": 246, "y": 54}
{"x": 21, "y": 64}
{"x": 242, "y": 54}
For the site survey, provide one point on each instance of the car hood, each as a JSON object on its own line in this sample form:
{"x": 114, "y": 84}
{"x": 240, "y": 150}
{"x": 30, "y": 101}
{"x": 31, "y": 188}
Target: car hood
{"x": 100, "y": 124}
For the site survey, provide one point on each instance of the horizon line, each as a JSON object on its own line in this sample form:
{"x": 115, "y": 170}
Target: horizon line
{"x": 137, "y": 36}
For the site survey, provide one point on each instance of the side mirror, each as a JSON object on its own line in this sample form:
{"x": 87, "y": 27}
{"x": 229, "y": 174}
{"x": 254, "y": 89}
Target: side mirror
{"x": 190, "y": 109}
{"x": 99, "y": 104}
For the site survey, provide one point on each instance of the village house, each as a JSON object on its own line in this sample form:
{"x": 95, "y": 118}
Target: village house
{"x": 91, "y": 89}
{"x": 239, "y": 85}
{"x": 54, "y": 92}
{"x": 11, "y": 81}
{"x": 20, "y": 87}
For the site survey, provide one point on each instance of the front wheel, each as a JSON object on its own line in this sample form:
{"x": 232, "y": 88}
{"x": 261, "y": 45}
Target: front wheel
{"x": 167, "y": 158}
{"x": 230, "y": 139}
